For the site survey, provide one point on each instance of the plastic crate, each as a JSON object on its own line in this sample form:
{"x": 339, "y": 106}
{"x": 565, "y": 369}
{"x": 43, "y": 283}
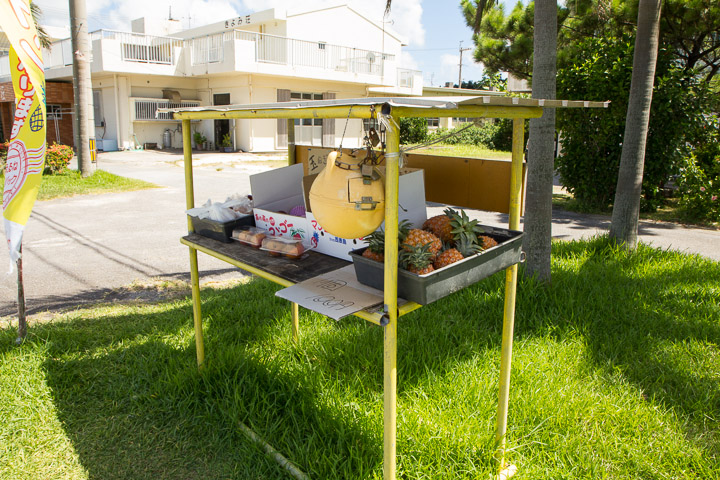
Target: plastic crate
{"x": 221, "y": 231}
{"x": 424, "y": 289}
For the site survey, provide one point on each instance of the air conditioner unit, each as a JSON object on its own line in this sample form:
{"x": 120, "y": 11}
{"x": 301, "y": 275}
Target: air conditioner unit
{"x": 172, "y": 95}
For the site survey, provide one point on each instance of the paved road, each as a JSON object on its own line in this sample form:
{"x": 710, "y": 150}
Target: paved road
{"x": 78, "y": 250}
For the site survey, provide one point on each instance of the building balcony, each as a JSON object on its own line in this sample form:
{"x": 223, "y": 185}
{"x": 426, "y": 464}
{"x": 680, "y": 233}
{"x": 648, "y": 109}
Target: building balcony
{"x": 251, "y": 52}
{"x": 222, "y": 53}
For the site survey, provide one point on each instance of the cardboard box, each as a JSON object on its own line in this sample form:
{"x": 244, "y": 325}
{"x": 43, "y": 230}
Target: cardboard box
{"x": 275, "y": 193}
{"x": 411, "y": 207}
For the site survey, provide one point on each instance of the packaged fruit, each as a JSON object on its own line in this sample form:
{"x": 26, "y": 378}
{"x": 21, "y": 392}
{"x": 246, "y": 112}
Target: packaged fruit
{"x": 290, "y": 247}
{"x": 248, "y": 235}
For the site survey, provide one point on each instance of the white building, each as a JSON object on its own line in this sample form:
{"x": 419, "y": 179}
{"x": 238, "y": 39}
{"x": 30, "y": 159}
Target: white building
{"x": 258, "y": 57}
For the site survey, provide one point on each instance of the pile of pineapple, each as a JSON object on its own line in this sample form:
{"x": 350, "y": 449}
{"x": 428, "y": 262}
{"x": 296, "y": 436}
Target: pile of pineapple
{"x": 443, "y": 240}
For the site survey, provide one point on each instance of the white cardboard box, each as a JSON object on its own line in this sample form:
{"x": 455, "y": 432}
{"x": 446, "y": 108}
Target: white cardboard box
{"x": 276, "y": 191}
{"x": 411, "y": 207}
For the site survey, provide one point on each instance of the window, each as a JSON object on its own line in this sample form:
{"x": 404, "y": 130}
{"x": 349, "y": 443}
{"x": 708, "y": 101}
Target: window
{"x": 462, "y": 120}
{"x": 97, "y": 108}
{"x": 54, "y": 112}
{"x": 433, "y": 122}
{"x": 307, "y": 96}
{"x": 369, "y": 123}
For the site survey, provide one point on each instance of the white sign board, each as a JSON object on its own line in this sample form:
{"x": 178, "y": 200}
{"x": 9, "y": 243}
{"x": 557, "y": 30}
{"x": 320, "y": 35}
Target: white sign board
{"x": 335, "y": 294}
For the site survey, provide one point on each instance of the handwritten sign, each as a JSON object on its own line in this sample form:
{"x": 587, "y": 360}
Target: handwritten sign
{"x": 317, "y": 159}
{"x": 335, "y": 294}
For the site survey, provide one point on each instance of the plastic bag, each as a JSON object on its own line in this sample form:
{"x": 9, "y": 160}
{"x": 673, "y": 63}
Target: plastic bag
{"x": 220, "y": 213}
{"x": 241, "y": 204}
{"x": 231, "y": 209}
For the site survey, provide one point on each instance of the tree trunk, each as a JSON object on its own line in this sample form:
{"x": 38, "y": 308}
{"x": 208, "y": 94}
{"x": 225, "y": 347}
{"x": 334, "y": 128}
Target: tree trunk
{"x": 82, "y": 84}
{"x": 626, "y": 209}
{"x": 541, "y": 146}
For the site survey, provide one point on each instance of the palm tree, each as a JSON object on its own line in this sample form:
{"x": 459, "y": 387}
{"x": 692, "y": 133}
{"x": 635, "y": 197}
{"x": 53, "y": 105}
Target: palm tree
{"x": 541, "y": 146}
{"x": 36, "y": 13}
{"x": 624, "y": 226}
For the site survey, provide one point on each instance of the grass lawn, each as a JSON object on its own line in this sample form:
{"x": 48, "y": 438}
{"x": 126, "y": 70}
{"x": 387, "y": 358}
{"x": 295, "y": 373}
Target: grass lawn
{"x": 70, "y": 183}
{"x": 670, "y": 212}
{"x": 616, "y": 375}
{"x": 470, "y": 151}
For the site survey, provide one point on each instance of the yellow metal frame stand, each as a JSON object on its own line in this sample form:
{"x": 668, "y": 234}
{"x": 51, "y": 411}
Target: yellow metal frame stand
{"x": 479, "y": 107}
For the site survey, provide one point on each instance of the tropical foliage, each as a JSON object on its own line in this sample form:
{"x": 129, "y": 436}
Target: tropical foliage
{"x": 592, "y": 139}
{"x": 595, "y": 50}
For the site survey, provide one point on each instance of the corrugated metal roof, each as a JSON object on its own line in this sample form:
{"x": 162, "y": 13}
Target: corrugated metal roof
{"x": 437, "y": 103}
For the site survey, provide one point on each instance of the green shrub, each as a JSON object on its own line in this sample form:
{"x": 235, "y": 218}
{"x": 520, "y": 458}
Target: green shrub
{"x": 3, "y": 154}
{"x": 413, "y": 130}
{"x": 699, "y": 178}
{"x": 592, "y": 138}
{"x": 57, "y": 158}
{"x": 491, "y": 134}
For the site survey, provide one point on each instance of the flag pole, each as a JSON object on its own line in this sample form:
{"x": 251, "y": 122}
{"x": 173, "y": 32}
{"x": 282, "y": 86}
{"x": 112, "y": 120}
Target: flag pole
{"x": 22, "y": 320}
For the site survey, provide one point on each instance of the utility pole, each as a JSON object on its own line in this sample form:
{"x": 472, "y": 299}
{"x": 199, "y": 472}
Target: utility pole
{"x": 460, "y": 73}
{"x": 82, "y": 85}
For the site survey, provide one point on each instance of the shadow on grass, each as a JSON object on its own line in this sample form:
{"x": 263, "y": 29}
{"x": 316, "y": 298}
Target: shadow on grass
{"x": 653, "y": 316}
{"x": 132, "y": 402}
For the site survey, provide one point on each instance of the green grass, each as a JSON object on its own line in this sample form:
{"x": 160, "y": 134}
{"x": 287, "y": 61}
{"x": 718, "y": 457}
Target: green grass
{"x": 616, "y": 375}
{"x": 671, "y": 211}
{"x": 468, "y": 151}
{"x": 70, "y": 183}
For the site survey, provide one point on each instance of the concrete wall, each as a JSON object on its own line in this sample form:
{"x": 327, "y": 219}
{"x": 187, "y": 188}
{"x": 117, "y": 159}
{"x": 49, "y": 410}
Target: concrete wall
{"x": 342, "y": 26}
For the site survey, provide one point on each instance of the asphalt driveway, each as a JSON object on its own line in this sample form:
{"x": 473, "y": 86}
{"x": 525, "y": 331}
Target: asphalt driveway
{"x": 82, "y": 249}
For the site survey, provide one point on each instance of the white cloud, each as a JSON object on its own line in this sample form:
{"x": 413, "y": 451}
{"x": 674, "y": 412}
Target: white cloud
{"x": 408, "y": 61}
{"x": 449, "y": 69}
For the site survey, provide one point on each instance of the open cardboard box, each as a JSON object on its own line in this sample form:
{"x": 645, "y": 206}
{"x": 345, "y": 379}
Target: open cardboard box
{"x": 275, "y": 193}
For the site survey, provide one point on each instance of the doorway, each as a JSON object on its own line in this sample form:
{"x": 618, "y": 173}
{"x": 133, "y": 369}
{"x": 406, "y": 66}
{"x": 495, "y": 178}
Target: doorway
{"x": 222, "y": 127}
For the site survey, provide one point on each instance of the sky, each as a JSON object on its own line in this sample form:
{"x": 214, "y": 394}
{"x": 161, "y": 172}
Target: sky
{"x": 434, "y": 29}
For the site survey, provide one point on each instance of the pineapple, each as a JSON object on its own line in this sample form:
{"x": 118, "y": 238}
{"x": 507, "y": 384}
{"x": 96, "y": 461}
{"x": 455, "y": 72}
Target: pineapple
{"x": 417, "y": 238}
{"x": 463, "y": 227}
{"x": 463, "y": 248}
{"x": 467, "y": 248}
{"x": 487, "y": 242}
{"x": 376, "y": 246}
{"x": 447, "y": 257}
{"x": 417, "y": 259}
{"x": 440, "y": 226}
{"x": 404, "y": 228}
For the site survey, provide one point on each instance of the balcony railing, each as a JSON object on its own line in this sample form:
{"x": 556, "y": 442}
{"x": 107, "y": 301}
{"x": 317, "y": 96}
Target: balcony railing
{"x": 146, "y": 109}
{"x": 292, "y": 52}
{"x": 137, "y": 47}
{"x": 60, "y": 55}
{"x": 406, "y": 77}
{"x": 208, "y": 49}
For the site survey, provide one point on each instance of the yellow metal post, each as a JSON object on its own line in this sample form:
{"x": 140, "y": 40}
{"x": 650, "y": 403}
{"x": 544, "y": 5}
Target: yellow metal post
{"x": 295, "y": 322}
{"x": 392, "y": 161}
{"x": 291, "y": 161}
{"x": 194, "y": 274}
{"x": 510, "y": 288}
{"x": 291, "y": 141}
